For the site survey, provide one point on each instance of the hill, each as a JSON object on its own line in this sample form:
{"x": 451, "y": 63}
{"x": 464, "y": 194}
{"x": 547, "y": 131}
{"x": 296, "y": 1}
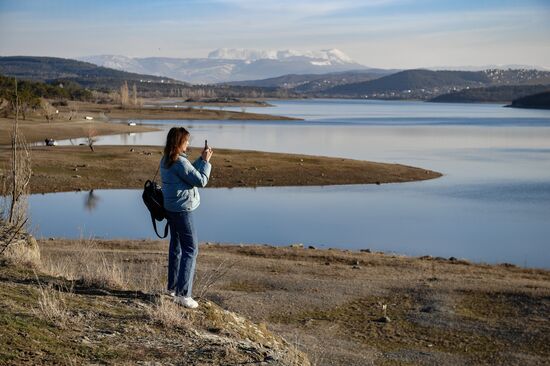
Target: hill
{"x": 95, "y": 318}
{"x": 540, "y": 101}
{"x": 87, "y": 75}
{"x": 312, "y": 83}
{"x": 411, "y": 82}
{"x": 59, "y": 71}
{"x": 502, "y": 93}
{"x": 427, "y": 84}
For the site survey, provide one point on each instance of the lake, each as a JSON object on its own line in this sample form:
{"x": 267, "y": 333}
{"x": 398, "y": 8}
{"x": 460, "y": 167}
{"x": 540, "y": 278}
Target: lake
{"x": 491, "y": 205}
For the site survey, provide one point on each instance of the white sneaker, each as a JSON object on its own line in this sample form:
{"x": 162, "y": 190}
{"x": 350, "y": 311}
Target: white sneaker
{"x": 186, "y": 301}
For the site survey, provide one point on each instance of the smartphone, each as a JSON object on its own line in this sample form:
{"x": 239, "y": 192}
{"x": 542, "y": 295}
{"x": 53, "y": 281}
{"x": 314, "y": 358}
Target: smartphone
{"x": 205, "y": 144}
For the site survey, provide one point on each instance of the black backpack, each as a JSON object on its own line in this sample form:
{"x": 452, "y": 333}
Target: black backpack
{"x": 153, "y": 199}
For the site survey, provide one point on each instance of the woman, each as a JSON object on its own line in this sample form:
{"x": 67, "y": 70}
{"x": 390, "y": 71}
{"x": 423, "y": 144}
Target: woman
{"x": 180, "y": 180}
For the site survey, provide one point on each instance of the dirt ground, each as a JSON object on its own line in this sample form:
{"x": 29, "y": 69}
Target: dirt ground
{"x": 330, "y": 303}
{"x": 71, "y": 122}
{"x": 194, "y": 112}
{"x": 57, "y": 169}
{"x": 37, "y": 130}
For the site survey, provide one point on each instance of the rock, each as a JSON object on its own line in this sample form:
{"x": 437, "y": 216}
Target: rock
{"x": 428, "y": 309}
{"x": 311, "y": 247}
{"x": 365, "y": 250}
{"x": 453, "y": 259}
{"x": 132, "y": 150}
{"x": 296, "y": 245}
{"x": 355, "y": 267}
{"x": 384, "y": 319}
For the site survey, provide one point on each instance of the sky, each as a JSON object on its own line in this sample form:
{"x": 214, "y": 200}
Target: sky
{"x": 376, "y": 33}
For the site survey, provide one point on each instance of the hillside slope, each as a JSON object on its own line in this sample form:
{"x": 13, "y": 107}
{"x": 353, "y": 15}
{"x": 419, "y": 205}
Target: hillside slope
{"x": 48, "y": 320}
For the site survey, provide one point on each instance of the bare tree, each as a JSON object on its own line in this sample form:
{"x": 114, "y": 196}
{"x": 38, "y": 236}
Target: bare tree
{"x": 14, "y": 186}
{"x": 92, "y": 137}
{"x": 48, "y": 110}
{"x": 124, "y": 95}
{"x": 134, "y": 95}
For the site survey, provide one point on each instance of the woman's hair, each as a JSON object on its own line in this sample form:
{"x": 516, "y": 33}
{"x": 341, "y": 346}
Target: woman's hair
{"x": 176, "y": 137}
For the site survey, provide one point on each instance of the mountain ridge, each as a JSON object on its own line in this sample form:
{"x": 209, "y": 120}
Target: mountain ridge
{"x": 227, "y": 65}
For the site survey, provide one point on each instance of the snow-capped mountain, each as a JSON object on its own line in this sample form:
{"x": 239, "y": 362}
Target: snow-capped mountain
{"x": 332, "y": 55}
{"x": 223, "y": 65}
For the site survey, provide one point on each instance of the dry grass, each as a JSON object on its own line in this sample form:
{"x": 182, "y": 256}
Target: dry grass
{"x": 152, "y": 279}
{"x": 88, "y": 264}
{"x": 53, "y": 307}
{"x": 206, "y": 280}
{"x": 168, "y": 314}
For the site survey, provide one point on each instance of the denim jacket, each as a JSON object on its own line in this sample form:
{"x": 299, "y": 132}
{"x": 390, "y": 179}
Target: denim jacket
{"x": 180, "y": 182}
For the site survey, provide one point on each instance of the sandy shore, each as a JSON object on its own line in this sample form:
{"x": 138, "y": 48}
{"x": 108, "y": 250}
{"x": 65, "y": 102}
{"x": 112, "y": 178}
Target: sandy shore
{"x": 329, "y": 302}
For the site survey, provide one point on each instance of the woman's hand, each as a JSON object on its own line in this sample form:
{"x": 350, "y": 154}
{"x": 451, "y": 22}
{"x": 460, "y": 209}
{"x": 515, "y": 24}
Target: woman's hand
{"x": 207, "y": 154}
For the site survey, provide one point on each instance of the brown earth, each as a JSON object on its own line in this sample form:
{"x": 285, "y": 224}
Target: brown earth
{"x": 70, "y": 122}
{"x": 330, "y": 302}
{"x": 113, "y": 111}
{"x": 37, "y": 130}
{"x": 57, "y": 169}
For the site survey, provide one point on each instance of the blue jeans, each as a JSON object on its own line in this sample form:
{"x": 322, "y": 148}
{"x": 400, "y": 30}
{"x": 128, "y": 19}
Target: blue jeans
{"x": 182, "y": 254}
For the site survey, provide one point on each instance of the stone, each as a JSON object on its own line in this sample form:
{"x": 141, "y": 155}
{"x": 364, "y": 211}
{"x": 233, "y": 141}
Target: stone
{"x": 384, "y": 319}
{"x": 311, "y": 247}
{"x": 365, "y": 250}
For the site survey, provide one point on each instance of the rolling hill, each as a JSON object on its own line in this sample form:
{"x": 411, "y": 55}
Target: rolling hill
{"x": 501, "y": 93}
{"x": 52, "y": 69}
{"x": 312, "y": 83}
{"x": 411, "y": 80}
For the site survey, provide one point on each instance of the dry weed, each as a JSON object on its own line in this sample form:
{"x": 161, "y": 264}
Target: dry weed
{"x": 205, "y": 280}
{"x": 52, "y": 306}
{"x": 88, "y": 264}
{"x": 168, "y": 314}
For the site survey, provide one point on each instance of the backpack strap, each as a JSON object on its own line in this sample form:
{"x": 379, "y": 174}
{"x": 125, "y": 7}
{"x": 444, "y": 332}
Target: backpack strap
{"x": 155, "y": 226}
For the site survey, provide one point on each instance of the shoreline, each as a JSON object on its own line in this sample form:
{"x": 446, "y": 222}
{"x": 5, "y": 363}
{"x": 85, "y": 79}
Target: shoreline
{"x": 71, "y": 120}
{"x": 75, "y": 168}
{"x": 194, "y": 112}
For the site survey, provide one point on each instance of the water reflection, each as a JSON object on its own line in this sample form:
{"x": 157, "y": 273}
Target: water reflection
{"x": 91, "y": 201}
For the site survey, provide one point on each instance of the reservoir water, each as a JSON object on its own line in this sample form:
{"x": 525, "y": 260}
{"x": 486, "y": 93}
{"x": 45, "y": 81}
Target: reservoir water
{"x": 491, "y": 205}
